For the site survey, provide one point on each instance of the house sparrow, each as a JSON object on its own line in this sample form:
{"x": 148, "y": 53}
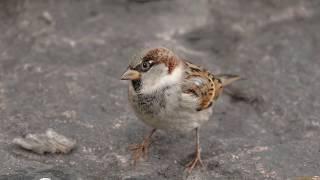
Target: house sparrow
{"x": 170, "y": 93}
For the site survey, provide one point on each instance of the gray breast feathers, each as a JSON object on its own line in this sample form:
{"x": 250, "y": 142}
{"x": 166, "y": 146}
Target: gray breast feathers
{"x": 149, "y": 104}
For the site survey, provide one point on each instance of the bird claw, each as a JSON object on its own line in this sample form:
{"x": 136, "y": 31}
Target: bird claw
{"x": 197, "y": 160}
{"x": 133, "y": 147}
{"x": 139, "y": 150}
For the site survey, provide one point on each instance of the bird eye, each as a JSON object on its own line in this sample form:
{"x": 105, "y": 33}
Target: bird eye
{"x": 145, "y": 66}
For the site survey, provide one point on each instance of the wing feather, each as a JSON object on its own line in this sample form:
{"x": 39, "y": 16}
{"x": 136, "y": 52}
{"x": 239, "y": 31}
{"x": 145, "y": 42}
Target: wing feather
{"x": 202, "y": 85}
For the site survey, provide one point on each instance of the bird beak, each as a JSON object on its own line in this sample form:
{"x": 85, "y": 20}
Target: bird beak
{"x": 130, "y": 75}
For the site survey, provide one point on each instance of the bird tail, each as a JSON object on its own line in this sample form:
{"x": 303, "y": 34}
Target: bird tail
{"x": 227, "y": 79}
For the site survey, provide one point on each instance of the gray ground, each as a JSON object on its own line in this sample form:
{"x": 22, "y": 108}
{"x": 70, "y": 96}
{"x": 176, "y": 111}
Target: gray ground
{"x": 60, "y": 63}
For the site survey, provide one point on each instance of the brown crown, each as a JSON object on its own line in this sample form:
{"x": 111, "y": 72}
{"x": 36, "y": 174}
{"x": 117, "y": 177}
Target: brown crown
{"x": 164, "y": 56}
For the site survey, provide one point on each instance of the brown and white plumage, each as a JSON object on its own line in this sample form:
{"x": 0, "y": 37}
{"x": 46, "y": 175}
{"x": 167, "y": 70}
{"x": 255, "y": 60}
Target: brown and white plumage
{"x": 169, "y": 93}
{"x": 204, "y": 85}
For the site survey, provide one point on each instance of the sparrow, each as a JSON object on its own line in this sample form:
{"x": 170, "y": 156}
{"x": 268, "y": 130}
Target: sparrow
{"x": 169, "y": 93}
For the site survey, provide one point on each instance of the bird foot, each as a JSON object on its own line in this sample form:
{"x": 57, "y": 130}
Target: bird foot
{"x": 140, "y": 150}
{"x": 197, "y": 160}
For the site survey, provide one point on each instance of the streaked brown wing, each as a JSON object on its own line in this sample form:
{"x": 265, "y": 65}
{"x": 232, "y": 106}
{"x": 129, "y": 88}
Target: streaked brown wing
{"x": 201, "y": 84}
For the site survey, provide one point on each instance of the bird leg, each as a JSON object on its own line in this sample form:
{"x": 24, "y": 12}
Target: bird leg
{"x": 141, "y": 150}
{"x": 197, "y": 158}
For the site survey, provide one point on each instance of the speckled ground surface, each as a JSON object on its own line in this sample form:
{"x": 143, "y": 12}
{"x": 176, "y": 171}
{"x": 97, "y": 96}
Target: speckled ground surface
{"x": 60, "y": 63}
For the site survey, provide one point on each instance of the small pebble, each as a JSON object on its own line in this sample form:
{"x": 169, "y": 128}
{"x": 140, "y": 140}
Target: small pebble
{"x": 45, "y": 179}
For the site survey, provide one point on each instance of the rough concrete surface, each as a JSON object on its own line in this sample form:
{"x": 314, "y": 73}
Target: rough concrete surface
{"x": 60, "y": 63}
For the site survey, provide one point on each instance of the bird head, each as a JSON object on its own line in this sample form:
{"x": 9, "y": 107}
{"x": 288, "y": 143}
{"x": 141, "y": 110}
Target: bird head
{"x": 155, "y": 69}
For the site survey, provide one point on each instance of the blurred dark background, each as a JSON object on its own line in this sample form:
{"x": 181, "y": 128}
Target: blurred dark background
{"x": 60, "y": 63}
